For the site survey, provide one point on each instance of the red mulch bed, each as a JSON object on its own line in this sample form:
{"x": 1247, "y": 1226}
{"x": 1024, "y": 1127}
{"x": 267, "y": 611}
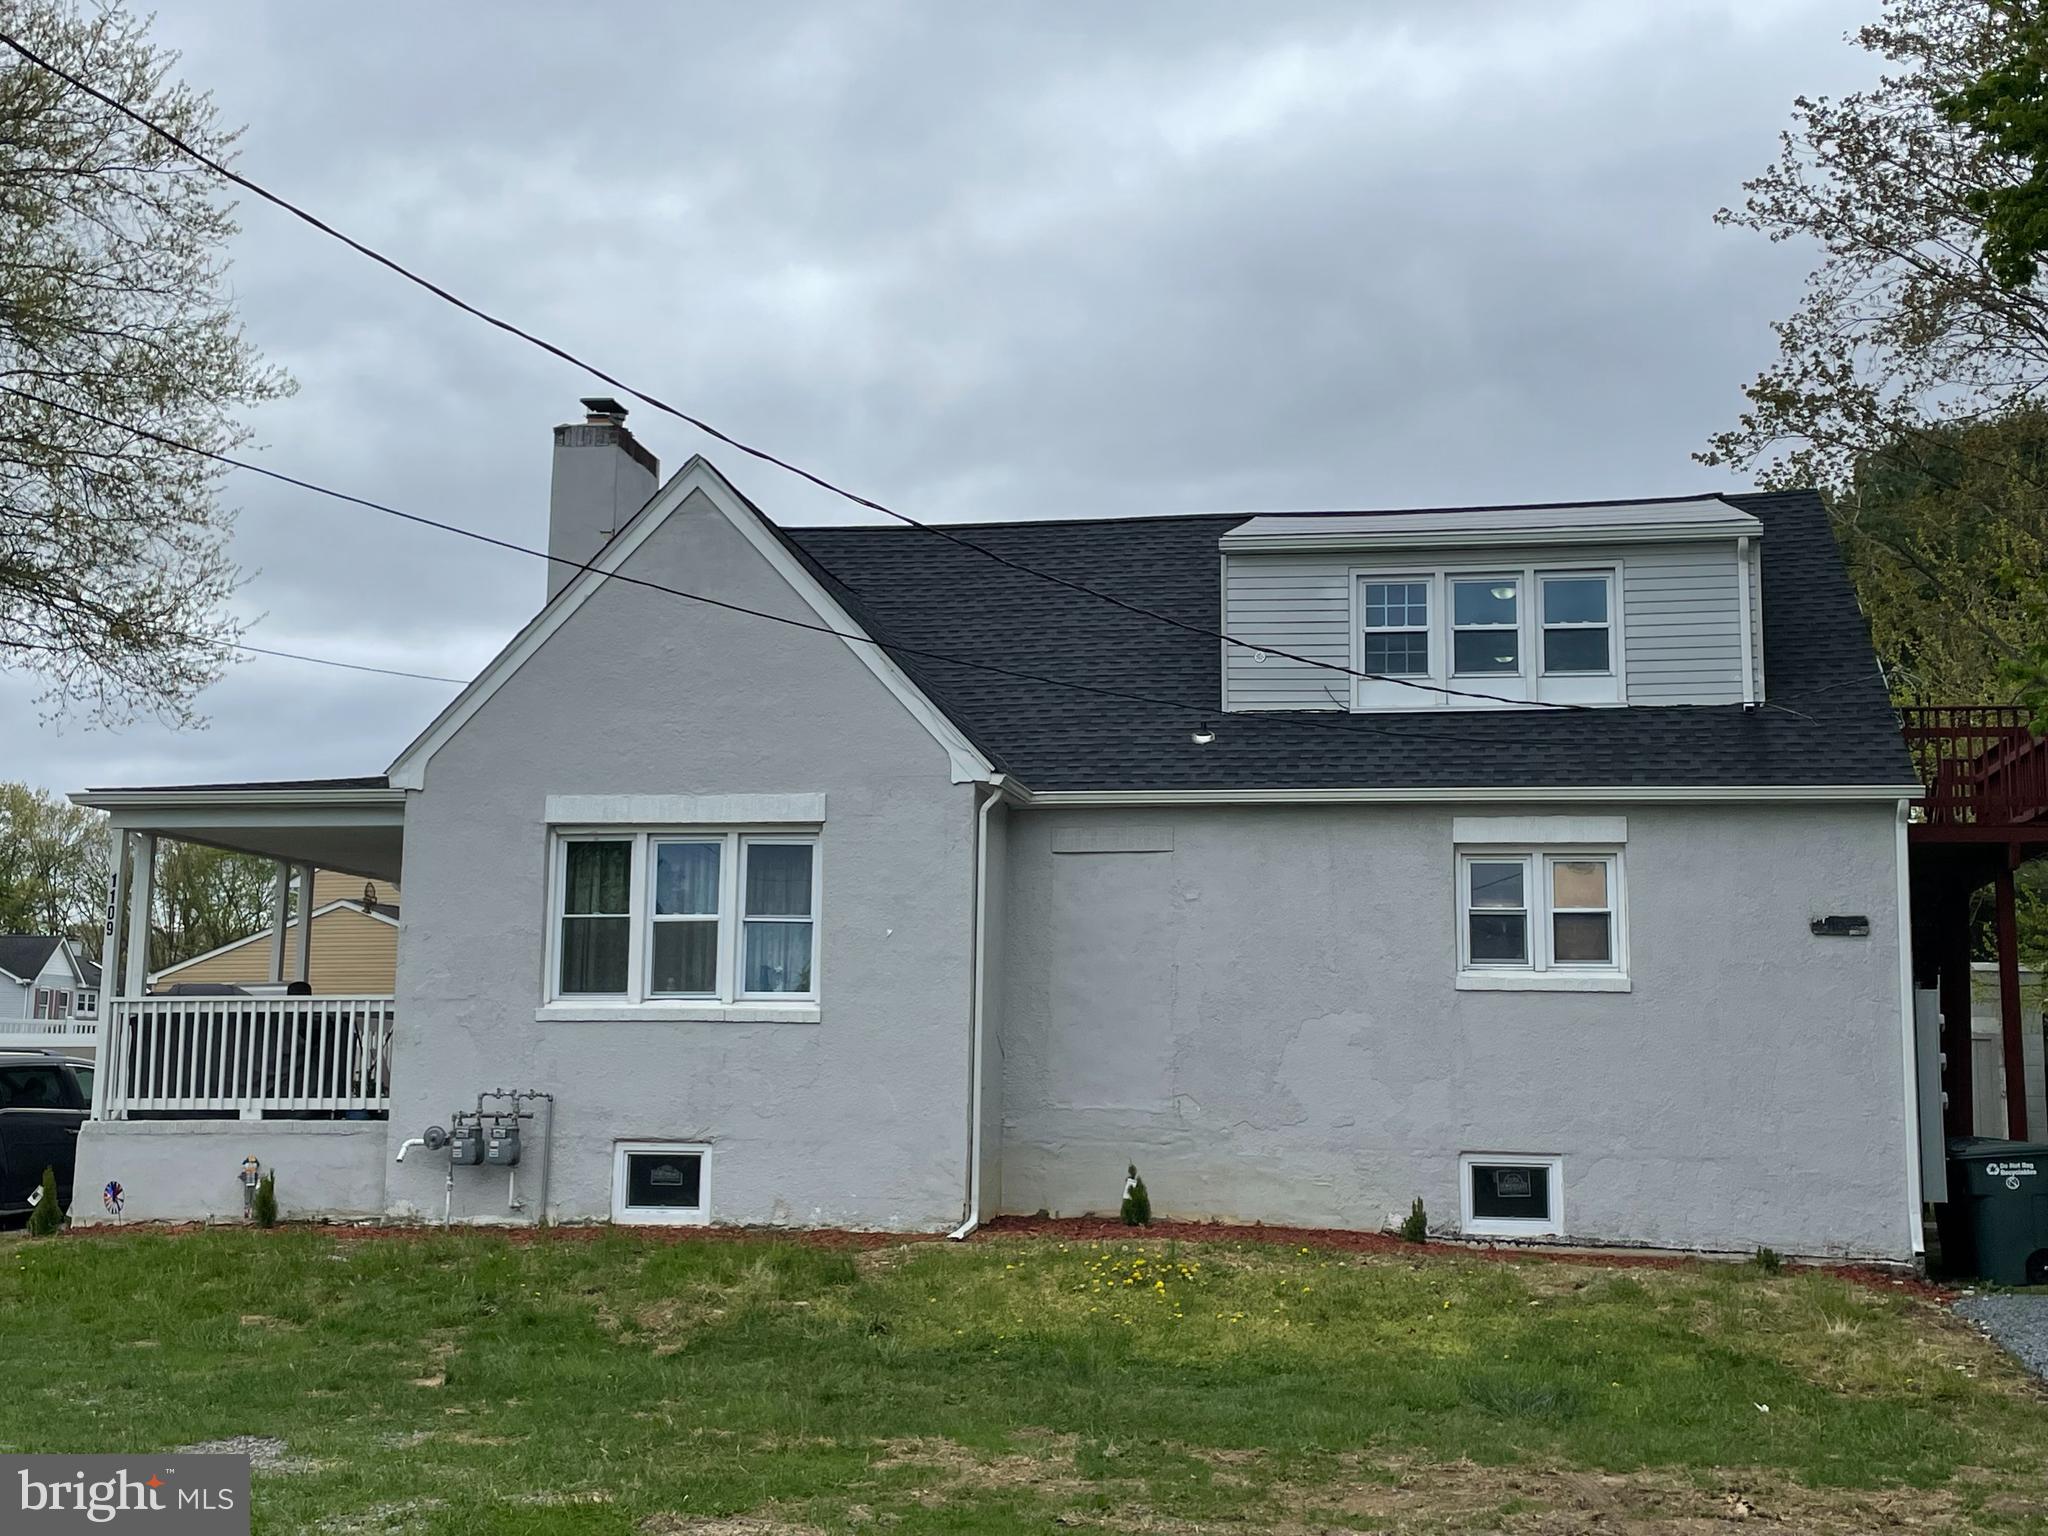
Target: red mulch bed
{"x": 1084, "y": 1229}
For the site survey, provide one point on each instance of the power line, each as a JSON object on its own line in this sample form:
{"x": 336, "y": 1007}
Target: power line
{"x": 222, "y": 170}
{"x": 350, "y": 666}
{"x": 1201, "y": 710}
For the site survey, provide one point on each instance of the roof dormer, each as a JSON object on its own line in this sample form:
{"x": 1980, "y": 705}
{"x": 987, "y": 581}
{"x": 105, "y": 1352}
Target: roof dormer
{"x": 1640, "y": 603}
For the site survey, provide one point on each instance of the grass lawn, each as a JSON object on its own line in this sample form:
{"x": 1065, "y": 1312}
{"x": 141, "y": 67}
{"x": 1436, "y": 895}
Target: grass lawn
{"x": 613, "y": 1382}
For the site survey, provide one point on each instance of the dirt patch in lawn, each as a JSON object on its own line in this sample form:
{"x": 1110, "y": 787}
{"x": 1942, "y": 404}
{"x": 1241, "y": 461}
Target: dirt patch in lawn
{"x": 1413, "y": 1496}
{"x": 1047, "y": 1467}
{"x": 723, "y": 1525}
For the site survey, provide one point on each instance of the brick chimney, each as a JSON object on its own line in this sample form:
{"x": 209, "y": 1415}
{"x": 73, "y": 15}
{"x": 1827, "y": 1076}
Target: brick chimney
{"x": 602, "y": 477}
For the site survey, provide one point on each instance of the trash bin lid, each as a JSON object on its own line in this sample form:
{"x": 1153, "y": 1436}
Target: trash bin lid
{"x": 1972, "y": 1148}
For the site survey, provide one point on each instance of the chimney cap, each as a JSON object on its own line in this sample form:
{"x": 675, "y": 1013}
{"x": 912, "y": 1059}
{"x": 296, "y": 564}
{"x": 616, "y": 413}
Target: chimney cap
{"x": 603, "y": 408}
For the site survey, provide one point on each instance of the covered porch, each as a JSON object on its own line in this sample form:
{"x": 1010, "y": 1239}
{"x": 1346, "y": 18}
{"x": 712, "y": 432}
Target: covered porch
{"x": 269, "y": 1051}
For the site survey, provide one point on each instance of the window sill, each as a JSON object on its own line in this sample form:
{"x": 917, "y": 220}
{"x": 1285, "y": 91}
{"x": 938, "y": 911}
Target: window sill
{"x": 677, "y": 1013}
{"x": 1542, "y": 981}
{"x": 1502, "y": 1227}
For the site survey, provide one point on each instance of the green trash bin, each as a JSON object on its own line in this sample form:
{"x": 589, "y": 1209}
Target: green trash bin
{"x": 1999, "y": 1191}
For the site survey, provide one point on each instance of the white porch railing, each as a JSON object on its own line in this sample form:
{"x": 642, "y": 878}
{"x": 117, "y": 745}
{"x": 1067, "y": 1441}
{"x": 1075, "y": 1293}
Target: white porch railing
{"x": 246, "y": 1054}
{"x": 52, "y": 1034}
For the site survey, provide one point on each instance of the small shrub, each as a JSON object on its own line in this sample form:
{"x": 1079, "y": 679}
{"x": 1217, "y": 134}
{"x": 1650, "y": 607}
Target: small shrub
{"x": 263, "y": 1209}
{"x": 1137, "y": 1208}
{"x": 1415, "y": 1225}
{"x": 1769, "y": 1260}
{"x": 47, "y": 1219}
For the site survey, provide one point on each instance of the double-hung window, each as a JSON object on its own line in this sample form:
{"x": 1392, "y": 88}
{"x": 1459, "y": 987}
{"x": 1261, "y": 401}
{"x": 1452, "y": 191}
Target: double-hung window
{"x": 678, "y": 916}
{"x": 1397, "y": 627}
{"x": 1578, "y": 630}
{"x": 1486, "y": 626}
{"x": 1552, "y": 915}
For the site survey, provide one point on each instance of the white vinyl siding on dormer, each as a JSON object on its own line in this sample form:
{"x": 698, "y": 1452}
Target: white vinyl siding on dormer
{"x": 1679, "y": 637}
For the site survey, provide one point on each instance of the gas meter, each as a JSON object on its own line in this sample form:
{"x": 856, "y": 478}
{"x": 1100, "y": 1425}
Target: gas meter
{"x": 502, "y": 1149}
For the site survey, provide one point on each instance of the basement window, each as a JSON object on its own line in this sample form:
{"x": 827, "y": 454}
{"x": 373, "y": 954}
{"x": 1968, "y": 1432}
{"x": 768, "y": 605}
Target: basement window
{"x": 660, "y": 1183}
{"x": 1506, "y": 1195}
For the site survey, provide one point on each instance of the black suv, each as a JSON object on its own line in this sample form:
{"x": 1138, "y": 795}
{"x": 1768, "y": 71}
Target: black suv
{"x": 43, "y": 1102}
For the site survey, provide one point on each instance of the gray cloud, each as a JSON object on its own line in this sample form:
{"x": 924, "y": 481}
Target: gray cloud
{"x": 1043, "y": 260}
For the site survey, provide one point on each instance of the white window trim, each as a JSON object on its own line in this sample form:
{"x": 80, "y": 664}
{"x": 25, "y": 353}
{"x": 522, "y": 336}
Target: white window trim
{"x": 1501, "y": 1226}
{"x": 1579, "y": 687}
{"x": 728, "y": 1003}
{"x": 698, "y": 1215}
{"x": 1431, "y": 628}
{"x": 1539, "y": 973}
{"x": 1519, "y": 629}
{"x": 1530, "y": 684}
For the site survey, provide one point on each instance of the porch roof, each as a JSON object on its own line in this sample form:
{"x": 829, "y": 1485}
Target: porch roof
{"x": 354, "y": 825}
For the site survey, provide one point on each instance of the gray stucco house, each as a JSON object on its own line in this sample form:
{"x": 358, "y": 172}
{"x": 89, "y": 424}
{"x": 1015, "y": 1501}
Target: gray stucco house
{"x": 1484, "y": 862}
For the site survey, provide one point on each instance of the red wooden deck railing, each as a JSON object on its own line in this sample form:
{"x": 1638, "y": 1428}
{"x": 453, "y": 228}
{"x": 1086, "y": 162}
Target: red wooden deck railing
{"x": 1982, "y": 764}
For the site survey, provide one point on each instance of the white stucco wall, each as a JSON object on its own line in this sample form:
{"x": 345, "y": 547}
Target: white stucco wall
{"x": 856, "y": 1120}
{"x": 1264, "y": 1019}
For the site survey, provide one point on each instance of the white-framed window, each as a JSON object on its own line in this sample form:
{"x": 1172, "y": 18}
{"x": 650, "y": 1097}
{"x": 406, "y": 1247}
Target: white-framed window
{"x": 88, "y": 1002}
{"x": 661, "y": 1183}
{"x": 1517, "y": 634}
{"x": 1486, "y": 626}
{"x": 662, "y": 916}
{"x": 1554, "y": 914}
{"x": 1397, "y": 625}
{"x": 42, "y": 1003}
{"x": 1510, "y": 1195}
{"x": 1578, "y": 623}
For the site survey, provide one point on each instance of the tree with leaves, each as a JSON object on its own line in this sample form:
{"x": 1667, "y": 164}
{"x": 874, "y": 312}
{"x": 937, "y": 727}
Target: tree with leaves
{"x": 1906, "y": 376}
{"x": 206, "y": 897}
{"x": 114, "y": 315}
{"x": 1909, "y": 376}
{"x": 53, "y": 866}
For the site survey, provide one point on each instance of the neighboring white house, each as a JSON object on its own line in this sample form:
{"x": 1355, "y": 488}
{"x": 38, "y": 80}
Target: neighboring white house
{"x": 1547, "y": 862}
{"x": 48, "y": 995}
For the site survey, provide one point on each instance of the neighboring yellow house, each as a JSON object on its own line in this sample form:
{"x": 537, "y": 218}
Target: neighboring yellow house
{"x": 355, "y": 946}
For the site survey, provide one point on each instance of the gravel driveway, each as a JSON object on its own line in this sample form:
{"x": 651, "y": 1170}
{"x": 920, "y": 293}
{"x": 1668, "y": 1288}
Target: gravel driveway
{"x": 2020, "y": 1323}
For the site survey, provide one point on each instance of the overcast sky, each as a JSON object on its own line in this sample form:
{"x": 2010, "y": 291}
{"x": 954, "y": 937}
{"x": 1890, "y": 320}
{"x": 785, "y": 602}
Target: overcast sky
{"x": 1034, "y": 260}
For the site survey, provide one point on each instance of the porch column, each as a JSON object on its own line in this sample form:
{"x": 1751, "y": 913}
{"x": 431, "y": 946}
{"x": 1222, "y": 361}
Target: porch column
{"x": 110, "y": 937}
{"x": 280, "y": 914}
{"x": 302, "y": 940}
{"x": 107, "y": 1053}
{"x": 141, "y": 894}
{"x": 1958, "y": 1073}
{"x": 2009, "y": 1003}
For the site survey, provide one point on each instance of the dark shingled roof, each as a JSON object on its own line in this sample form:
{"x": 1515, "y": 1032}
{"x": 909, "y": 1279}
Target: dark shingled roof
{"x": 24, "y": 954}
{"x": 1828, "y": 720}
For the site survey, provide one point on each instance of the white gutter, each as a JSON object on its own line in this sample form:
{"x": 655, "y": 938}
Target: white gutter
{"x": 1691, "y": 794}
{"x": 1909, "y": 1044}
{"x": 979, "y": 1010}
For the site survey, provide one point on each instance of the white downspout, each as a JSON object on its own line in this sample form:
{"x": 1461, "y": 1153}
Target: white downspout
{"x": 1909, "y": 1042}
{"x": 1742, "y": 577}
{"x": 979, "y": 1010}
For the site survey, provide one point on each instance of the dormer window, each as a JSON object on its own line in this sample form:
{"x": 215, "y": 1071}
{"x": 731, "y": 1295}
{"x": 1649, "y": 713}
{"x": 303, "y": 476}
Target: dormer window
{"x": 1486, "y": 626}
{"x": 1510, "y": 634}
{"x": 1577, "y": 625}
{"x": 1397, "y": 627}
